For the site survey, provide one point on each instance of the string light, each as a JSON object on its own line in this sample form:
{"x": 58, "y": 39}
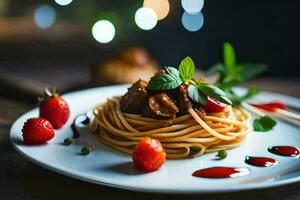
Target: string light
{"x": 192, "y": 7}
{"x": 160, "y": 7}
{"x": 192, "y": 22}
{"x": 145, "y": 18}
{"x": 63, "y": 2}
{"x": 103, "y": 31}
{"x": 44, "y": 16}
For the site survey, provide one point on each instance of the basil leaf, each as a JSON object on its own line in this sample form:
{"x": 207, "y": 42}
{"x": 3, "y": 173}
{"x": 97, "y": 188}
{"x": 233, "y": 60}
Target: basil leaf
{"x": 210, "y": 90}
{"x": 196, "y": 95}
{"x": 223, "y": 99}
{"x": 215, "y": 92}
{"x": 250, "y": 70}
{"x": 229, "y": 57}
{"x": 187, "y": 69}
{"x": 264, "y": 124}
{"x": 173, "y": 72}
{"x": 164, "y": 82}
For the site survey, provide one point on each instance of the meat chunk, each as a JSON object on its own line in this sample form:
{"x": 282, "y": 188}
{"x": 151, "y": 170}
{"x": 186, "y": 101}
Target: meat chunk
{"x": 183, "y": 100}
{"x": 160, "y": 106}
{"x": 135, "y": 99}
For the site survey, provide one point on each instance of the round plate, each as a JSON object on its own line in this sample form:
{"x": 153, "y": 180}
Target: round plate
{"x": 108, "y": 167}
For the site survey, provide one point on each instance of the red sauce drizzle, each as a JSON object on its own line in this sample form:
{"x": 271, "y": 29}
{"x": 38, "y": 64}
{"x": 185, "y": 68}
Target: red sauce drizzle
{"x": 221, "y": 172}
{"x": 271, "y": 107}
{"x": 285, "y": 151}
{"x": 260, "y": 161}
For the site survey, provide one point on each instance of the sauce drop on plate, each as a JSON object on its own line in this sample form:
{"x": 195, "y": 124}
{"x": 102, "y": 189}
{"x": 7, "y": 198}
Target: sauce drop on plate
{"x": 79, "y": 121}
{"x": 221, "y": 172}
{"x": 285, "y": 151}
{"x": 260, "y": 161}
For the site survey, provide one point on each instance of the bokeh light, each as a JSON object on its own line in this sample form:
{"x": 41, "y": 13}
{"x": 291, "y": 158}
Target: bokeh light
{"x": 192, "y": 22}
{"x": 103, "y": 31}
{"x": 145, "y": 18}
{"x": 160, "y": 7}
{"x": 44, "y": 16}
{"x": 192, "y": 7}
{"x": 63, "y": 2}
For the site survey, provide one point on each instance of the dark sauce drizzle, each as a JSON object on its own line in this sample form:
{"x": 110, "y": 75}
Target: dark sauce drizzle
{"x": 84, "y": 122}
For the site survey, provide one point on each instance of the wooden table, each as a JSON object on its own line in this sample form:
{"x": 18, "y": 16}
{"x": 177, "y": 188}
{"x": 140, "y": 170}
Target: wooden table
{"x": 21, "y": 179}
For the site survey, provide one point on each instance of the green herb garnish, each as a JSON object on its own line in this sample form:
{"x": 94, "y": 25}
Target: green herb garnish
{"x": 232, "y": 73}
{"x": 264, "y": 124}
{"x": 85, "y": 150}
{"x": 167, "y": 81}
{"x": 187, "y": 69}
{"x": 67, "y": 141}
{"x": 222, "y": 154}
{"x": 196, "y": 95}
{"x": 197, "y": 91}
{"x": 213, "y": 91}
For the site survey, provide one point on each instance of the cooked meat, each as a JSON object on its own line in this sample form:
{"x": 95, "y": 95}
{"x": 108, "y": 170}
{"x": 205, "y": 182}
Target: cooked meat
{"x": 183, "y": 100}
{"x": 160, "y": 106}
{"x": 135, "y": 99}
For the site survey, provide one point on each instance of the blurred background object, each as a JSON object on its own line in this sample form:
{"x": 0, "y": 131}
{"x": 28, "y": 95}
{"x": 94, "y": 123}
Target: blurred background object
{"x": 55, "y": 42}
{"x": 132, "y": 64}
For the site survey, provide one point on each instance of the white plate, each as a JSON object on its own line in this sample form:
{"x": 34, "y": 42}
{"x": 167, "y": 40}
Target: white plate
{"x": 108, "y": 167}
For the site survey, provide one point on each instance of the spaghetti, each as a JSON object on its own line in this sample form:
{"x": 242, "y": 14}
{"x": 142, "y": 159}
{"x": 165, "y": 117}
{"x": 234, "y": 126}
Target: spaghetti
{"x": 182, "y": 137}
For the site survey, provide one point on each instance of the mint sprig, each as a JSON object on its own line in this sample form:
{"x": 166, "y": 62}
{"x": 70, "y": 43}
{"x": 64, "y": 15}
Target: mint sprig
{"x": 264, "y": 124}
{"x": 232, "y": 73}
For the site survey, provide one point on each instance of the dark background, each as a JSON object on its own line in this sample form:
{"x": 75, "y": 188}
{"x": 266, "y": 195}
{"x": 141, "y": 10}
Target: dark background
{"x": 262, "y": 31}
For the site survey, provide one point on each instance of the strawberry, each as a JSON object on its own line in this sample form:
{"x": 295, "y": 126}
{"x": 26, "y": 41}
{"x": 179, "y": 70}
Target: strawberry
{"x": 148, "y": 155}
{"x": 55, "y": 109}
{"x": 37, "y": 131}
